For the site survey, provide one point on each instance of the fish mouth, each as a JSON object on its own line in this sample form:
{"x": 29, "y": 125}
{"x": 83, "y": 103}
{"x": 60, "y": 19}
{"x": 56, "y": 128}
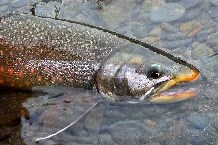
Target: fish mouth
{"x": 168, "y": 91}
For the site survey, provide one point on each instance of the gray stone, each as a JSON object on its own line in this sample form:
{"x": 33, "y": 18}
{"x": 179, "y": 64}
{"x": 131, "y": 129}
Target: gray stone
{"x": 105, "y": 139}
{"x": 176, "y": 43}
{"x": 139, "y": 29}
{"x": 46, "y": 10}
{"x": 129, "y": 132}
{"x": 212, "y": 39}
{"x": 214, "y": 2}
{"x": 19, "y": 3}
{"x": 167, "y": 13}
{"x": 3, "y": 2}
{"x": 175, "y": 36}
{"x": 3, "y": 8}
{"x": 190, "y": 4}
{"x": 197, "y": 120}
{"x": 153, "y": 4}
{"x": 191, "y": 14}
{"x": 3, "y": 13}
{"x": 94, "y": 118}
{"x": 213, "y": 12}
{"x": 169, "y": 28}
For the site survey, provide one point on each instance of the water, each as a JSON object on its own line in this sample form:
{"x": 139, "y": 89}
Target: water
{"x": 189, "y": 32}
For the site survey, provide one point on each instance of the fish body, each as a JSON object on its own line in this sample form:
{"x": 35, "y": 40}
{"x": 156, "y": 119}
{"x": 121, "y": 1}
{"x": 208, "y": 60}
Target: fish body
{"x": 41, "y": 51}
{"x": 36, "y": 51}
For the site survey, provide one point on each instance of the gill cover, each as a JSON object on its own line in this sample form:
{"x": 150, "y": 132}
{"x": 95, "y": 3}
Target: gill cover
{"x": 131, "y": 72}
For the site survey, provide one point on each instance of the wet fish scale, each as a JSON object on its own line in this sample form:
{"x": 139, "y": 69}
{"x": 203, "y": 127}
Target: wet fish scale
{"x": 43, "y": 44}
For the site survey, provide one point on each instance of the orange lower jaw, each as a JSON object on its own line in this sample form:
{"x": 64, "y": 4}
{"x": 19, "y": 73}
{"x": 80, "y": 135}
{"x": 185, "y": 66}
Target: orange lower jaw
{"x": 174, "y": 96}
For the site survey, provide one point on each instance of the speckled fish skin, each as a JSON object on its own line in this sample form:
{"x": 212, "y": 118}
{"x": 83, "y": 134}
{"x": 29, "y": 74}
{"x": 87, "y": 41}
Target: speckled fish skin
{"x": 39, "y": 51}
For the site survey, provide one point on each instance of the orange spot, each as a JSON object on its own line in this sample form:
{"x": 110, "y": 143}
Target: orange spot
{"x": 1, "y": 82}
{"x": 53, "y": 79}
{"x": 11, "y": 71}
{"x": 20, "y": 74}
{"x": 1, "y": 52}
{"x": 39, "y": 78}
{"x": 27, "y": 84}
{"x": 2, "y": 69}
{"x": 60, "y": 79}
{"x": 26, "y": 66}
{"x": 46, "y": 69}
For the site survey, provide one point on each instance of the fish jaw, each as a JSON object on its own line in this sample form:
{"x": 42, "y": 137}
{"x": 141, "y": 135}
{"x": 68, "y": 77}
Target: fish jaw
{"x": 162, "y": 95}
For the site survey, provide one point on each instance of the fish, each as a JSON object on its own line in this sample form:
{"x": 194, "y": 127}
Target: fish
{"x": 37, "y": 51}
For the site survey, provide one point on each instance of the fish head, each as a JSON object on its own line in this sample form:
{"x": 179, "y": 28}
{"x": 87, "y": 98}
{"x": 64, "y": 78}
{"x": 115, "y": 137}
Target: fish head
{"x": 136, "y": 74}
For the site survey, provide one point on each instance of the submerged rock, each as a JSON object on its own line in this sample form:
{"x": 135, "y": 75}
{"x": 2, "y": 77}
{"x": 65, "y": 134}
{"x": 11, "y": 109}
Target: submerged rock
{"x": 3, "y": 8}
{"x": 167, "y": 13}
{"x": 214, "y": 2}
{"x": 18, "y": 3}
{"x": 153, "y": 4}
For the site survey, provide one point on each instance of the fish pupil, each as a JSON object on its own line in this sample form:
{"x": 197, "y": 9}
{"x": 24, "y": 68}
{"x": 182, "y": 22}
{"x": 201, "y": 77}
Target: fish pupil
{"x": 154, "y": 73}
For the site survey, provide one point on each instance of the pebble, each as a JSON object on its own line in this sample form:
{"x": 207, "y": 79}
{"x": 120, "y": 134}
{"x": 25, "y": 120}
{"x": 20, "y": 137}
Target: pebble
{"x": 195, "y": 32}
{"x": 169, "y": 28}
{"x": 105, "y": 139}
{"x": 202, "y": 36}
{"x": 189, "y": 26}
{"x": 114, "y": 14}
{"x": 139, "y": 29}
{"x": 4, "y": 2}
{"x": 153, "y": 143}
{"x": 157, "y": 31}
{"x": 167, "y": 13}
{"x": 201, "y": 50}
{"x": 129, "y": 132}
{"x": 153, "y": 4}
{"x": 197, "y": 120}
{"x": 174, "y": 36}
{"x": 176, "y": 43}
{"x": 18, "y": 3}
{"x": 3, "y": 13}
{"x": 94, "y": 119}
{"x": 69, "y": 11}
{"x": 214, "y": 2}
{"x": 3, "y": 8}
{"x": 213, "y": 12}
{"x": 212, "y": 40}
{"x": 175, "y": 133}
{"x": 45, "y": 10}
{"x": 192, "y": 13}
{"x": 85, "y": 19}
{"x": 190, "y": 4}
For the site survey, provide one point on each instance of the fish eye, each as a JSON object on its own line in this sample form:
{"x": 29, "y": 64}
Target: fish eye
{"x": 154, "y": 73}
